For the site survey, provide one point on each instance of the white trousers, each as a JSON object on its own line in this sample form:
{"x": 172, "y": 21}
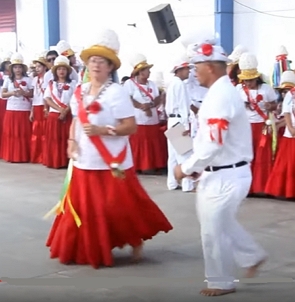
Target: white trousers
{"x": 224, "y": 241}
{"x": 174, "y": 159}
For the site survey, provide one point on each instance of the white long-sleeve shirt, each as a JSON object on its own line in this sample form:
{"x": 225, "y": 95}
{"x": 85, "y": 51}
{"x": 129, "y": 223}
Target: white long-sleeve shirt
{"x": 224, "y": 135}
{"x": 178, "y": 101}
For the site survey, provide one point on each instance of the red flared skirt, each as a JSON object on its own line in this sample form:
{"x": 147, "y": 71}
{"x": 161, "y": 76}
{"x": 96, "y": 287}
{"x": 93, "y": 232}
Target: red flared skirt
{"x": 263, "y": 159}
{"x": 2, "y": 114}
{"x": 149, "y": 148}
{"x": 56, "y": 141}
{"x": 281, "y": 182}
{"x": 16, "y": 137}
{"x": 114, "y": 213}
{"x": 38, "y": 135}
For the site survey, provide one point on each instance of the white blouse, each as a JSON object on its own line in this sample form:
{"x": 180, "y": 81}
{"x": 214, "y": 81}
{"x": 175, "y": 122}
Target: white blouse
{"x": 268, "y": 95}
{"x": 289, "y": 107}
{"x": 139, "y": 96}
{"x": 20, "y": 103}
{"x": 60, "y": 92}
{"x": 116, "y": 105}
{"x": 38, "y": 98}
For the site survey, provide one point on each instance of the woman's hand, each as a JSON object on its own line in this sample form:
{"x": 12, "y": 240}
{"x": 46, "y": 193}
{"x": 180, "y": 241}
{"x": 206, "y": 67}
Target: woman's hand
{"x": 31, "y": 116}
{"x": 72, "y": 149}
{"x": 92, "y": 130}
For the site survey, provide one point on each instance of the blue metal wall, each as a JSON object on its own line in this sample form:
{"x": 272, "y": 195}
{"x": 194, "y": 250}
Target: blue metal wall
{"x": 51, "y": 20}
{"x": 224, "y": 23}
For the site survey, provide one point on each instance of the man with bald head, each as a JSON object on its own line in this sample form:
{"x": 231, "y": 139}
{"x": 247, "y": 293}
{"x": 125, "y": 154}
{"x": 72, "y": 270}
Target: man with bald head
{"x": 221, "y": 162}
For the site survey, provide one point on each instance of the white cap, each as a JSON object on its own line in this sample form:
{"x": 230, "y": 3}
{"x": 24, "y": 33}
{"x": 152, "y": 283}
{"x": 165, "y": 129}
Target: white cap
{"x": 287, "y": 79}
{"x": 181, "y": 62}
{"x": 208, "y": 52}
{"x": 64, "y": 48}
{"x": 6, "y": 56}
{"x": 236, "y": 54}
{"x": 248, "y": 61}
{"x": 282, "y": 51}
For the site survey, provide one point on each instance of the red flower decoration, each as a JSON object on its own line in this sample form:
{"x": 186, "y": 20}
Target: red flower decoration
{"x": 94, "y": 107}
{"x": 66, "y": 87}
{"x": 207, "y": 49}
{"x": 259, "y": 98}
{"x": 23, "y": 83}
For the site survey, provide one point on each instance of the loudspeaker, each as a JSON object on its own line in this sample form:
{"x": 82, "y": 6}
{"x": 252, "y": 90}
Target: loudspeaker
{"x": 164, "y": 23}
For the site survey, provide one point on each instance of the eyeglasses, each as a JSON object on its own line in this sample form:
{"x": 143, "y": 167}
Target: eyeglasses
{"x": 51, "y": 59}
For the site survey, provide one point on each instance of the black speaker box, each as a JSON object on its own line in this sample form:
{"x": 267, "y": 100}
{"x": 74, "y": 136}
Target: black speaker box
{"x": 164, "y": 23}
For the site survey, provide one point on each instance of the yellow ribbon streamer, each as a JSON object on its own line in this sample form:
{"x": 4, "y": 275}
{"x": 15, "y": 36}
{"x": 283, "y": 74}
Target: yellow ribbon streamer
{"x": 59, "y": 208}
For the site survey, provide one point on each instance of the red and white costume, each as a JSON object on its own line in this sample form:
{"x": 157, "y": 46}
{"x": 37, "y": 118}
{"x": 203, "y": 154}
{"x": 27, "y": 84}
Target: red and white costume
{"x": 260, "y": 123}
{"x": 57, "y": 131}
{"x": 147, "y": 142}
{"x": 113, "y": 211}
{"x": 39, "y": 120}
{"x": 282, "y": 178}
{"x": 6, "y": 58}
{"x": 16, "y": 136}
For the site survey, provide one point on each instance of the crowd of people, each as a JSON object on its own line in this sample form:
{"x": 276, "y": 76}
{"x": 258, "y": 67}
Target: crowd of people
{"x": 108, "y": 131}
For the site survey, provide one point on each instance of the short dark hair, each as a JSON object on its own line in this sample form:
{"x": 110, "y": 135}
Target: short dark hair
{"x": 52, "y": 52}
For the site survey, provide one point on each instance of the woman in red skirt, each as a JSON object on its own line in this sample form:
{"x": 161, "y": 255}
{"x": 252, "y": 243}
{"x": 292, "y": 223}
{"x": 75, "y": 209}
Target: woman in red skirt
{"x": 281, "y": 182}
{"x": 58, "y": 95}
{"x": 4, "y": 74}
{"x": 105, "y": 206}
{"x": 16, "y": 136}
{"x": 37, "y": 113}
{"x": 147, "y": 142}
{"x": 260, "y": 100}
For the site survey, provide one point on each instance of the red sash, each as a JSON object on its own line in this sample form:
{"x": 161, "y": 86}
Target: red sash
{"x": 96, "y": 140}
{"x": 254, "y": 104}
{"x": 40, "y": 85}
{"x": 143, "y": 90}
{"x": 17, "y": 85}
{"x": 59, "y": 103}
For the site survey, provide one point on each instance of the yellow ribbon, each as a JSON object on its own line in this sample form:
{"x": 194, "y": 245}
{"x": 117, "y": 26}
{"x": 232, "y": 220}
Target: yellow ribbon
{"x": 59, "y": 208}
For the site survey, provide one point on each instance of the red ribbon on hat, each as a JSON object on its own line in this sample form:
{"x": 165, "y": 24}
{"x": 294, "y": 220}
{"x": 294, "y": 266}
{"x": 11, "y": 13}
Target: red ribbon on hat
{"x": 183, "y": 65}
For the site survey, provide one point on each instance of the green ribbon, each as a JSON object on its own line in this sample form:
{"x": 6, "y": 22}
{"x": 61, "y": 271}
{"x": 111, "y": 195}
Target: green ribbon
{"x": 67, "y": 180}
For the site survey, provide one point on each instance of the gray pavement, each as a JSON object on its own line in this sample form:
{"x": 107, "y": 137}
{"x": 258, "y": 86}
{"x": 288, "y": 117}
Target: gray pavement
{"x": 173, "y": 265}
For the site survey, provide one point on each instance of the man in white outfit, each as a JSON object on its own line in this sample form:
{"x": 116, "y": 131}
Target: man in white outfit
{"x": 177, "y": 108}
{"x": 221, "y": 164}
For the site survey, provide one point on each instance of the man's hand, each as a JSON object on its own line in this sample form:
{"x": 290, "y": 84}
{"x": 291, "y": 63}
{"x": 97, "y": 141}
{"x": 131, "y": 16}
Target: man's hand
{"x": 185, "y": 133}
{"x": 194, "y": 109}
{"x": 178, "y": 174}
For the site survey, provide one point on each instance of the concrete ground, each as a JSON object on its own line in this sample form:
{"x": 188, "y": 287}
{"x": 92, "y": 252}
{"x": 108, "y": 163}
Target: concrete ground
{"x": 173, "y": 265}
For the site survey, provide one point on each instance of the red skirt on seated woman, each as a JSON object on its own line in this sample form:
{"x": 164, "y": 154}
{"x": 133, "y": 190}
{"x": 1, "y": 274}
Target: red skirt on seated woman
{"x": 3, "y": 103}
{"x": 16, "y": 137}
{"x": 281, "y": 182}
{"x": 114, "y": 212}
{"x": 149, "y": 148}
{"x": 56, "y": 141}
{"x": 38, "y": 135}
{"x": 263, "y": 159}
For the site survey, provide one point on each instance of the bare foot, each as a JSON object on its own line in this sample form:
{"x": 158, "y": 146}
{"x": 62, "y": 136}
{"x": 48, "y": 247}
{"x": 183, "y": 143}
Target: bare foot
{"x": 214, "y": 292}
{"x": 253, "y": 270}
{"x": 137, "y": 253}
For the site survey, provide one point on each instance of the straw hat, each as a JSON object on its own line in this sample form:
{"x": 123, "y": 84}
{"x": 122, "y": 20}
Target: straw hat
{"x": 181, "y": 62}
{"x": 139, "y": 62}
{"x": 61, "y": 61}
{"x": 17, "y": 59}
{"x": 64, "y": 49}
{"x": 287, "y": 80}
{"x": 107, "y": 45}
{"x": 248, "y": 65}
{"x": 40, "y": 58}
{"x": 236, "y": 54}
{"x": 6, "y": 57}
